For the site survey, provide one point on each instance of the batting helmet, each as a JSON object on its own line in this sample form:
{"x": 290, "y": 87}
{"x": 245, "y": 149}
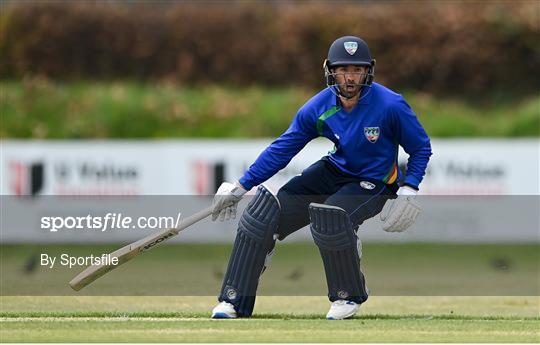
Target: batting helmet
{"x": 348, "y": 50}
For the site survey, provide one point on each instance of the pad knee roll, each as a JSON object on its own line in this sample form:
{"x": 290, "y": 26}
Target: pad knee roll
{"x": 254, "y": 241}
{"x": 333, "y": 233}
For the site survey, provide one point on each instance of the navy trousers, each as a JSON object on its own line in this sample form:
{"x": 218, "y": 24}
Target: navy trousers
{"x": 322, "y": 182}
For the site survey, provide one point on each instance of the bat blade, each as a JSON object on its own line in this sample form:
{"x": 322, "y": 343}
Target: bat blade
{"x": 130, "y": 251}
{"x": 91, "y": 273}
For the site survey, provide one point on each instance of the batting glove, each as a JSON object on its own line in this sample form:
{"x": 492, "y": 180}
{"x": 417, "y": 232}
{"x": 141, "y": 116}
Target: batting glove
{"x": 226, "y": 200}
{"x": 400, "y": 213}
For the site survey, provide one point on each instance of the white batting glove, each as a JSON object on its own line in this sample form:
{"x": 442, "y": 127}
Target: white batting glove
{"x": 400, "y": 213}
{"x": 226, "y": 200}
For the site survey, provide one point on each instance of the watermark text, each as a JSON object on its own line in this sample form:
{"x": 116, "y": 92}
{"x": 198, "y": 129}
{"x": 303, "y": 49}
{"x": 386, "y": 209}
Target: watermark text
{"x": 110, "y": 221}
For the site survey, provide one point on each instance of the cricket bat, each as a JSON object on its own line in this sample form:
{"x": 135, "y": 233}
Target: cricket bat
{"x": 130, "y": 251}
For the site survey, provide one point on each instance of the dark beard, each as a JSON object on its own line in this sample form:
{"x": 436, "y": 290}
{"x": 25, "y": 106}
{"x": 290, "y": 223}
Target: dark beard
{"x": 349, "y": 93}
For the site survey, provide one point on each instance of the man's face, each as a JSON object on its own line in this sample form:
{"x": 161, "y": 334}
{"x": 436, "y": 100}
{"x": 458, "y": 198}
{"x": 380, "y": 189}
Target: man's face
{"x": 349, "y": 79}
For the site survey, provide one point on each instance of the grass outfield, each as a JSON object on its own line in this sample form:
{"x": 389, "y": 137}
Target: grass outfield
{"x": 421, "y": 274}
{"x": 276, "y": 319}
{"x": 296, "y": 269}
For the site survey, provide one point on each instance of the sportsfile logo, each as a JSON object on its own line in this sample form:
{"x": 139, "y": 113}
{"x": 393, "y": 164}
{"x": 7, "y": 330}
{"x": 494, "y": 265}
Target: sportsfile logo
{"x": 111, "y": 221}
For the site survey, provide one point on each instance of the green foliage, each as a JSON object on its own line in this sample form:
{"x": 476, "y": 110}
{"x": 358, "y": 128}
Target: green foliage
{"x": 444, "y": 47}
{"x": 41, "y": 109}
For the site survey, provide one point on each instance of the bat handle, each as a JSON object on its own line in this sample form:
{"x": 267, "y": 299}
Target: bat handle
{"x": 194, "y": 218}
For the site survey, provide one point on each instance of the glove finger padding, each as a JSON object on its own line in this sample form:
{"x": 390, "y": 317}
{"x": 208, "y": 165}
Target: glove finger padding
{"x": 218, "y": 207}
{"x": 222, "y": 214}
{"x": 228, "y": 212}
{"x": 401, "y": 218}
{"x": 401, "y": 215}
{"x": 408, "y": 217}
{"x": 387, "y": 209}
{"x": 415, "y": 212}
{"x": 215, "y": 214}
{"x": 225, "y": 200}
{"x": 394, "y": 215}
{"x": 225, "y": 213}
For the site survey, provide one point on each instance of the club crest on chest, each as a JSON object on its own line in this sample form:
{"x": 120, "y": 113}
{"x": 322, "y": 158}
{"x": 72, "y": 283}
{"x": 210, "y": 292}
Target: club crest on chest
{"x": 372, "y": 133}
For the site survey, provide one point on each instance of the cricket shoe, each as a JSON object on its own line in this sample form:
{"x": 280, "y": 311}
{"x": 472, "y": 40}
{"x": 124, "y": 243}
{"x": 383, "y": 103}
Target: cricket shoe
{"x": 224, "y": 310}
{"x": 342, "y": 309}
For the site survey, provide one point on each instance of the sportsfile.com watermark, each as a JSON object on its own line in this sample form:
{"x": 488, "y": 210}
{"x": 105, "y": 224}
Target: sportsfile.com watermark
{"x": 109, "y": 221}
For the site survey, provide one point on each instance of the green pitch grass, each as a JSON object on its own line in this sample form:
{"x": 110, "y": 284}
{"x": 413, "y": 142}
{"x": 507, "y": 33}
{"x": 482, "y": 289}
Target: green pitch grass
{"x": 276, "y": 319}
{"x": 411, "y": 300}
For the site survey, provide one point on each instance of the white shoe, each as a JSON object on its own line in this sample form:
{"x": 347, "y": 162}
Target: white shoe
{"x": 224, "y": 310}
{"x": 342, "y": 309}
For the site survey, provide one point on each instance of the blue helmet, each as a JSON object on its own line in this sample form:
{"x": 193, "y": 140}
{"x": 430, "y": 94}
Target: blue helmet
{"x": 348, "y": 50}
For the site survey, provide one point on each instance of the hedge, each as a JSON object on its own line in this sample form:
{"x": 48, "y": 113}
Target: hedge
{"x": 445, "y": 47}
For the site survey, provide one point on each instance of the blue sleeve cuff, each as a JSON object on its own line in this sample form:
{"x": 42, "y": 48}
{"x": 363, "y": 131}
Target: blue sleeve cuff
{"x": 412, "y": 182}
{"x": 245, "y": 183}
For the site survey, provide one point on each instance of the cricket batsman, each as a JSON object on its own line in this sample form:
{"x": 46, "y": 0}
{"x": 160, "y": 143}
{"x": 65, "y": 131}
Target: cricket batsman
{"x": 357, "y": 180}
